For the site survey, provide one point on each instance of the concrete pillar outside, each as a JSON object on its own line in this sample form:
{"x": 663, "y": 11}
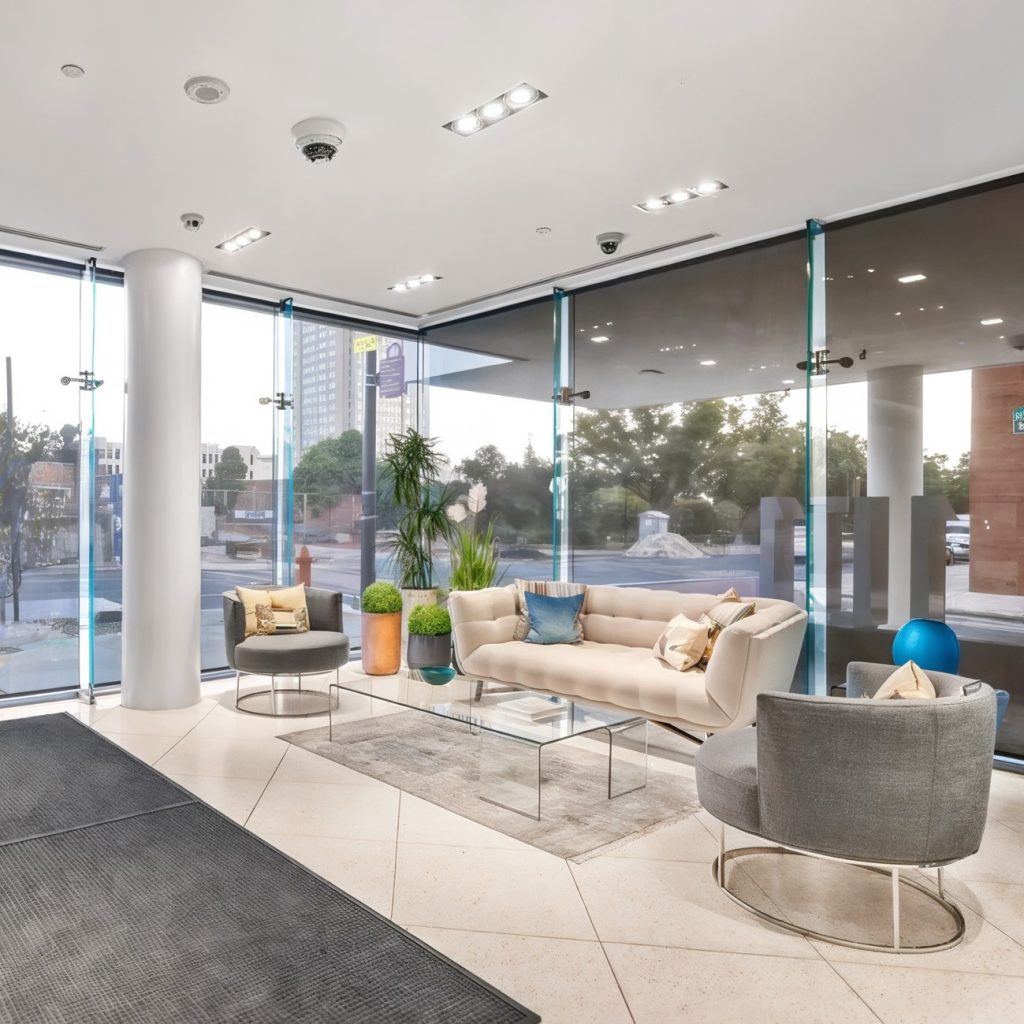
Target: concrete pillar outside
{"x": 161, "y": 578}
{"x": 896, "y": 467}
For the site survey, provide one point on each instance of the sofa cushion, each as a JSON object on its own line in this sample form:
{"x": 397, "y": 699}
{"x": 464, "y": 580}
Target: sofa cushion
{"x": 628, "y": 677}
{"x": 634, "y": 616}
{"x": 292, "y": 653}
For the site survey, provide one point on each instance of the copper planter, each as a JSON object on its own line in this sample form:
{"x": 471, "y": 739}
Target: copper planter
{"x": 382, "y": 643}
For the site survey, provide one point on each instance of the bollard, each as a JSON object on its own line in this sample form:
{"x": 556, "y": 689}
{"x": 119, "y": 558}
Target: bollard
{"x": 305, "y": 566}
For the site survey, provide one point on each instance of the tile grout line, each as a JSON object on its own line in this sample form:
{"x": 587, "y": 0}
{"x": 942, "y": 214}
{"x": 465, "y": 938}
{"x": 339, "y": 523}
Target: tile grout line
{"x": 394, "y": 873}
{"x": 597, "y": 935}
{"x": 252, "y": 811}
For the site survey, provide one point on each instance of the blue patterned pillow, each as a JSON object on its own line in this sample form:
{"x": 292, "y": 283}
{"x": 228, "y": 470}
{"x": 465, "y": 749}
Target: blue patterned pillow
{"x": 553, "y": 620}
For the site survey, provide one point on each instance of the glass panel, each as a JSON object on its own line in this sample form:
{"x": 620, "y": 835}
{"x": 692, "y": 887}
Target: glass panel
{"x": 236, "y": 462}
{"x": 283, "y": 404}
{"x": 688, "y": 455}
{"x": 40, "y": 465}
{"x": 925, "y": 474}
{"x": 486, "y": 396}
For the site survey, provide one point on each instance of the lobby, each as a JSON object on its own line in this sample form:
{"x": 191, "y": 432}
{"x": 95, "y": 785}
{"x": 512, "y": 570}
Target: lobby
{"x": 692, "y": 308}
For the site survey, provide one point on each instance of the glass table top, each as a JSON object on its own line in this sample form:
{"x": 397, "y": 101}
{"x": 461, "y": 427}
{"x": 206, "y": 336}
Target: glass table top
{"x": 525, "y": 715}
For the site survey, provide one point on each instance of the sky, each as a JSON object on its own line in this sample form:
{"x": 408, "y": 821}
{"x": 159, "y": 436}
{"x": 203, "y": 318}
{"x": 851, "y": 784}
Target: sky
{"x": 41, "y": 330}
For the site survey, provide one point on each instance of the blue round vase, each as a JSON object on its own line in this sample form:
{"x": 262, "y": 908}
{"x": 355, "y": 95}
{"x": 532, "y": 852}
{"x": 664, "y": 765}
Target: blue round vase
{"x": 929, "y": 643}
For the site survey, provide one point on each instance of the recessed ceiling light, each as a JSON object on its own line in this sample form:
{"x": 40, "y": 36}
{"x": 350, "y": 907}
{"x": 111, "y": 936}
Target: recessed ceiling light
{"x": 72, "y": 70}
{"x": 788, "y": 381}
{"x": 911, "y": 278}
{"x": 680, "y": 195}
{"x": 543, "y": 230}
{"x": 897, "y": 314}
{"x": 416, "y": 281}
{"x": 709, "y": 362}
{"x": 600, "y": 337}
{"x": 991, "y": 321}
{"x": 206, "y": 89}
{"x": 501, "y": 108}
{"x": 242, "y": 239}
{"x": 871, "y": 270}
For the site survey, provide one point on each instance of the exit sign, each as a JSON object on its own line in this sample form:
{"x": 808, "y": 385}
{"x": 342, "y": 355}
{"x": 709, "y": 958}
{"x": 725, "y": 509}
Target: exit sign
{"x": 1018, "y": 420}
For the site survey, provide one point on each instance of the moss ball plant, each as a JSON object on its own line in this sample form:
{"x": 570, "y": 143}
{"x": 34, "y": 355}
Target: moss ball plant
{"x": 381, "y": 599}
{"x": 429, "y": 620}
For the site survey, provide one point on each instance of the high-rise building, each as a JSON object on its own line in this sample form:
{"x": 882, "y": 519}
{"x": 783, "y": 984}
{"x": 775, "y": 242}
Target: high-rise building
{"x": 327, "y": 385}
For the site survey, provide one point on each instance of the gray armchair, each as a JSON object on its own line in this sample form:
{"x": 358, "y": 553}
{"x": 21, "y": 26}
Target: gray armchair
{"x": 882, "y": 784}
{"x": 324, "y": 648}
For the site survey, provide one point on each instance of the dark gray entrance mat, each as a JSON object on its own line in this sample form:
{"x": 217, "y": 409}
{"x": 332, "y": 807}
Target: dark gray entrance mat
{"x": 439, "y": 761}
{"x": 178, "y": 914}
{"x": 56, "y": 774}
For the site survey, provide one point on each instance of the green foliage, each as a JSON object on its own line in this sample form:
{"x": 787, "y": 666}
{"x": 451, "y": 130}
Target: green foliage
{"x": 474, "y": 558}
{"x": 412, "y": 471}
{"x": 381, "y": 598}
{"x": 952, "y": 481}
{"x": 429, "y": 620}
{"x": 330, "y": 469}
{"x": 227, "y": 480}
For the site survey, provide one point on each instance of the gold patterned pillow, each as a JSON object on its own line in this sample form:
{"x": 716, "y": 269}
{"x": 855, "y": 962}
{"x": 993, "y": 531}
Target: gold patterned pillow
{"x": 265, "y": 624}
{"x": 723, "y": 614}
{"x": 301, "y": 620}
{"x": 682, "y": 644}
{"x": 550, "y": 588}
{"x": 250, "y": 598}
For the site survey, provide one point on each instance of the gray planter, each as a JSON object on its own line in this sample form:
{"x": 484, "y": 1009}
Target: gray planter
{"x": 429, "y": 651}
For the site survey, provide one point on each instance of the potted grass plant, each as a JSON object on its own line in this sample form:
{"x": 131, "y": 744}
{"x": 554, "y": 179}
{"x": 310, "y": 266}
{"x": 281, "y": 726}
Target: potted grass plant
{"x": 411, "y": 479}
{"x": 430, "y": 637}
{"x": 382, "y": 629}
{"x": 474, "y": 555}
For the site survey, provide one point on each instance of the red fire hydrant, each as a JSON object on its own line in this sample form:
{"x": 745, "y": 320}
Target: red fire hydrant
{"x": 305, "y": 566}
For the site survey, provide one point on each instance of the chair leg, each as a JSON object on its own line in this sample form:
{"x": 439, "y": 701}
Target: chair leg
{"x": 896, "y": 910}
{"x": 942, "y": 887}
{"x": 721, "y": 856}
{"x": 238, "y": 684}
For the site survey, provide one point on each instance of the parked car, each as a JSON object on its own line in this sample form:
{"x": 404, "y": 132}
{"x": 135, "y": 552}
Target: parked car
{"x": 958, "y": 541}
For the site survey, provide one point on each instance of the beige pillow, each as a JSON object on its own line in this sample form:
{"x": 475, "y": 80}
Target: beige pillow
{"x": 730, "y": 609}
{"x": 265, "y": 624}
{"x": 682, "y": 643}
{"x": 287, "y": 603}
{"x": 250, "y": 598}
{"x": 551, "y": 588}
{"x": 908, "y": 682}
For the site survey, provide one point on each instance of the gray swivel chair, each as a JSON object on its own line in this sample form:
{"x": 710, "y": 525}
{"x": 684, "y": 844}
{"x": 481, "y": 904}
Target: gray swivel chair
{"x": 324, "y": 648}
{"x": 884, "y": 784}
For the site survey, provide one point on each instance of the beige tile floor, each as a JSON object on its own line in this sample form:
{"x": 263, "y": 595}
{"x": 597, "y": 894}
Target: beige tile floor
{"x": 639, "y": 935}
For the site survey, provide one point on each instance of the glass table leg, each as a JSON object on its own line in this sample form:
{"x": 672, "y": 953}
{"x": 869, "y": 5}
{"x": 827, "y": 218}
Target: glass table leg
{"x": 510, "y": 773}
{"x": 627, "y": 757}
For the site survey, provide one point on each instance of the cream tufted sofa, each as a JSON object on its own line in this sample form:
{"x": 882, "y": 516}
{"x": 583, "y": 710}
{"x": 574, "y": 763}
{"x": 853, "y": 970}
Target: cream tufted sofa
{"x": 614, "y": 665}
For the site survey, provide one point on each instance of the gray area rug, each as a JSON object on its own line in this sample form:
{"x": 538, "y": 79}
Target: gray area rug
{"x": 177, "y": 914}
{"x": 438, "y": 761}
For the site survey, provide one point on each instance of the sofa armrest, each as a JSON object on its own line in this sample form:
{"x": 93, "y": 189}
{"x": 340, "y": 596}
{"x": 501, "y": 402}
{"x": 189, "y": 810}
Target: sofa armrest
{"x": 482, "y": 617}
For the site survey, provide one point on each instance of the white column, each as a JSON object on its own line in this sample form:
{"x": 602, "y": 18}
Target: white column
{"x": 161, "y": 582}
{"x": 896, "y": 467}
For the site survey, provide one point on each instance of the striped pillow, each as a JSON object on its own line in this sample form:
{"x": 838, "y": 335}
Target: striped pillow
{"x": 721, "y": 615}
{"x": 549, "y": 588}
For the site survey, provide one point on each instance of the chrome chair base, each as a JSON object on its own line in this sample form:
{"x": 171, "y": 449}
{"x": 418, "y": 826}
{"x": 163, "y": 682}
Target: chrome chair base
{"x": 283, "y": 702}
{"x": 896, "y": 946}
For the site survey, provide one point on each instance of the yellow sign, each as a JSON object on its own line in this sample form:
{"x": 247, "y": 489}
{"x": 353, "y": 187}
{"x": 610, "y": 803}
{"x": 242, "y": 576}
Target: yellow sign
{"x": 367, "y": 343}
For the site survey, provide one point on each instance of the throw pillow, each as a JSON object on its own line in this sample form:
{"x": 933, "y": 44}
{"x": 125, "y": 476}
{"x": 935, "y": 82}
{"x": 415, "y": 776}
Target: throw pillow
{"x": 729, "y": 610}
{"x": 301, "y": 620}
{"x": 553, "y": 620}
{"x": 550, "y": 588}
{"x": 908, "y": 682}
{"x": 265, "y": 624}
{"x": 682, "y": 644}
{"x": 250, "y": 598}
{"x": 286, "y": 602}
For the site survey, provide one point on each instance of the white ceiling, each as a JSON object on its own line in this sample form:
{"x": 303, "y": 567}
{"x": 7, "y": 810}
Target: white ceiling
{"x": 805, "y": 108}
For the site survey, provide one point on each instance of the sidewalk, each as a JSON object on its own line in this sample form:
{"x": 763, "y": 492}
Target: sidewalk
{"x": 987, "y": 606}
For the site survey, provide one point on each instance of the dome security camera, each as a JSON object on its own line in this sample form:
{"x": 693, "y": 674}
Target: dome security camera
{"x": 191, "y": 221}
{"x": 609, "y": 242}
{"x": 318, "y": 138}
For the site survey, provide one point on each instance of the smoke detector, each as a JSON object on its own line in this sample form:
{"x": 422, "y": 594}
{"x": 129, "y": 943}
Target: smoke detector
{"x": 318, "y": 138}
{"x": 206, "y": 89}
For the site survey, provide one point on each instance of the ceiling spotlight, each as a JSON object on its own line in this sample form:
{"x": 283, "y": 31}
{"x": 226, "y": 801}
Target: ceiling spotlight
{"x": 72, "y": 70}
{"x": 207, "y": 90}
{"x": 543, "y": 230}
{"x": 498, "y": 109}
{"x": 788, "y": 381}
{"x": 600, "y": 338}
{"x": 493, "y": 110}
{"x": 242, "y": 239}
{"x": 871, "y": 270}
{"x": 709, "y": 362}
{"x": 911, "y": 278}
{"x": 680, "y": 195}
{"x": 318, "y": 138}
{"x": 991, "y": 321}
{"x": 897, "y": 314}
{"x": 417, "y": 281}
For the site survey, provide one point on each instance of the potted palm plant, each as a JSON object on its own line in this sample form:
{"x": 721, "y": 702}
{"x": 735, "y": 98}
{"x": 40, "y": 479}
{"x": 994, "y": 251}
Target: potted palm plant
{"x": 411, "y": 478}
{"x": 430, "y": 637}
{"x": 382, "y": 629}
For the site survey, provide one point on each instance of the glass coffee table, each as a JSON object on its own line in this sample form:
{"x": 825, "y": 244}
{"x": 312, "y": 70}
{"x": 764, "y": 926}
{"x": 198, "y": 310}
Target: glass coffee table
{"x": 514, "y": 727}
